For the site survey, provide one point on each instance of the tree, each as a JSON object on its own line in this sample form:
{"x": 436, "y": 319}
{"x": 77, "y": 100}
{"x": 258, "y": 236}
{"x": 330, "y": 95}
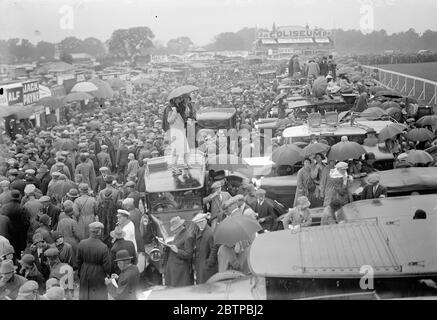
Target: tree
{"x": 227, "y": 41}
{"x": 71, "y": 45}
{"x": 94, "y": 47}
{"x": 45, "y": 49}
{"x": 179, "y": 45}
{"x": 25, "y": 50}
{"x": 125, "y": 43}
{"x": 66, "y": 57}
{"x": 249, "y": 36}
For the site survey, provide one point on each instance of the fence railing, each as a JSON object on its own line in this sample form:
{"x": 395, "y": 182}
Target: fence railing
{"x": 423, "y": 90}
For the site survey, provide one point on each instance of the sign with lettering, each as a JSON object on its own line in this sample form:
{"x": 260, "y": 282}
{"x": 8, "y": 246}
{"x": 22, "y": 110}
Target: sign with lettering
{"x": 14, "y": 95}
{"x": 294, "y": 32}
{"x": 30, "y": 92}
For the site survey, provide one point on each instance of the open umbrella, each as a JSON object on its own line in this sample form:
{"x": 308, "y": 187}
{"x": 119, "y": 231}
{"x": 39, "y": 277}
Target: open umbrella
{"x": 77, "y": 96}
{"x": 419, "y": 134}
{"x": 84, "y": 87}
{"x": 430, "y": 120}
{"x": 288, "y": 154}
{"x": 373, "y": 112}
{"x": 346, "y": 150}
{"x": 390, "y": 131}
{"x": 180, "y": 91}
{"x": 104, "y": 90}
{"x": 393, "y": 110}
{"x": 53, "y": 102}
{"x": 390, "y": 104}
{"x": 235, "y": 229}
{"x": 314, "y": 148}
{"x": 419, "y": 157}
{"x": 116, "y": 83}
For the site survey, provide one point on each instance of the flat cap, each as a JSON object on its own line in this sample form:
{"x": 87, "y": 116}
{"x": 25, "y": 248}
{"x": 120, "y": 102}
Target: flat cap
{"x": 51, "y": 252}
{"x": 96, "y": 225}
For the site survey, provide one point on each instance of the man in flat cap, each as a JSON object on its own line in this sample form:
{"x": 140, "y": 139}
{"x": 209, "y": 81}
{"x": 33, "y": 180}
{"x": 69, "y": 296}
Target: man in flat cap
{"x": 30, "y": 271}
{"x": 51, "y": 210}
{"x": 101, "y": 180}
{"x": 10, "y": 282}
{"x": 373, "y": 189}
{"x": 103, "y": 158}
{"x": 265, "y": 210}
{"x": 215, "y": 200}
{"x": 94, "y": 265}
{"x": 85, "y": 207}
{"x": 205, "y": 252}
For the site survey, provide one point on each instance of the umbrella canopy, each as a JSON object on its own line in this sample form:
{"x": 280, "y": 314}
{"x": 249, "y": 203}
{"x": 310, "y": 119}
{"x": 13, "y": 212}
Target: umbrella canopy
{"x": 419, "y": 157}
{"x": 346, "y": 150}
{"x": 116, "y": 83}
{"x": 181, "y": 91}
{"x": 390, "y": 104}
{"x": 77, "y": 96}
{"x": 375, "y": 89}
{"x": 390, "y": 131}
{"x": 236, "y": 228}
{"x": 314, "y": 148}
{"x": 393, "y": 110}
{"x": 430, "y": 120}
{"x": 373, "y": 112}
{"x": 287, "y": 154}
{"x": 104, "y": 90}
{"x": 419, "y": 134}
{"x": 84, "y": 87}
{"x": 53, "y": 102}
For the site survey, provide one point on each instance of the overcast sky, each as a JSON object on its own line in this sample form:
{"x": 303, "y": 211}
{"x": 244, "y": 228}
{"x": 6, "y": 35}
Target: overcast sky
{"x": 201, "y": 20}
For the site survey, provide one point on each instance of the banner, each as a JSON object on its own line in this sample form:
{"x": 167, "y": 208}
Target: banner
{"x": 30, "y": 92}
{"x": 14, "y": 95}
{"x": 294, "y": 32}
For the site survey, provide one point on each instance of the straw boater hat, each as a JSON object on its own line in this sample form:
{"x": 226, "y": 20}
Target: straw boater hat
{"x": 176, "y": 222}
{"x": 303, "y": 202}
{"x": 123, "y": 212}
{"x": 73, "y": 193}
{"x": 200, "y": 217}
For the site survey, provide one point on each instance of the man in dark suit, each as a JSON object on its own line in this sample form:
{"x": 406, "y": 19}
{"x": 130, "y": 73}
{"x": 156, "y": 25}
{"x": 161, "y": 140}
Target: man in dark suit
{"x": 216, "y": 199}
{"x": 373, "y": 190}
{"x": 100, "y": 180}
{"x": 265, "y": 210}
{"x": 119, "y": 243}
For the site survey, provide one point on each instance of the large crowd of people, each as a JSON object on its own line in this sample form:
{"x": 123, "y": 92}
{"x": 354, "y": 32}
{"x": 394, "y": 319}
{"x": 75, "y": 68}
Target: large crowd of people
{"x": 73, "y": 212}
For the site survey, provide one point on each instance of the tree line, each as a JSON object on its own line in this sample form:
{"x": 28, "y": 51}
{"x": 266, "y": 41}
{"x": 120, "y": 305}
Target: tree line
{"x": 128, "y": 43}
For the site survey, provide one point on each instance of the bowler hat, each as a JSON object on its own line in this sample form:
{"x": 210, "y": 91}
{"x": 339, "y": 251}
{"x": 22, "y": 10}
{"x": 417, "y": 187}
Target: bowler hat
{"x": 73, "y": 193}
{"x": 122, "y": 255}
{"x": 44, "y": 219}
{"x": 27, "y": 259}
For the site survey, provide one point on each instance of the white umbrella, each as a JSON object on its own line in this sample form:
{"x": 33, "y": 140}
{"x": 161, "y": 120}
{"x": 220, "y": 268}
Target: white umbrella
{"x": 84, "y": 87}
